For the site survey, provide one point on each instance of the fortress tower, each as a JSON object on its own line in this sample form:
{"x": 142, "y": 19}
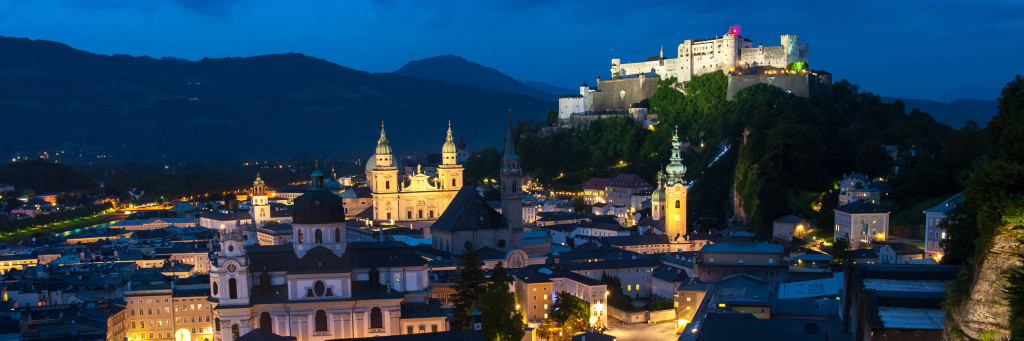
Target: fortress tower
{"x": 791, "y": 45}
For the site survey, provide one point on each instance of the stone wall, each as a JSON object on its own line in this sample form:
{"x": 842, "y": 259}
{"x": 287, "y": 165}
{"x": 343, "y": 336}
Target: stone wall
{"x": 803, "y": 84}
{"x": 988, "y": 310}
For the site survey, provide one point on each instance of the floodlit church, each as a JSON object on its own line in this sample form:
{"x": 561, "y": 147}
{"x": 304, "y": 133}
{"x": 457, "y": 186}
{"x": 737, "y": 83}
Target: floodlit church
{"x": 668, "y": 201}
{"x": 415, "y": 197}
{"x": 320, "y": 286}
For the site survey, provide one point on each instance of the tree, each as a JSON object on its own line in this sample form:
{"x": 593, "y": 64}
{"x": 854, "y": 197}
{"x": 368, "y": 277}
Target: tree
{"x": 469, "y": 284}
{"x": 873, "y": 160}
{"x": 552, "y": 117}
{"x": 571, "y": 312}
{"x": 841, "y": 250}
{"x": 501, "y": 321}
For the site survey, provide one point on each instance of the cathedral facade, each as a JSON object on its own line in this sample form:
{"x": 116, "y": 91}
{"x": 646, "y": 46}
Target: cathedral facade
{"x": 320, "y": 286}
{"x": 416, "y": 197}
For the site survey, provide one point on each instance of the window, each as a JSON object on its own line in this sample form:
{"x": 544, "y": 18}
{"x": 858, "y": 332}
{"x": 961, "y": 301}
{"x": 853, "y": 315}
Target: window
{"x": 389, "y": 215}
{"x": 319, "y": 288}
{"x": 771, "y": 260}
{"x": 711, "y": 260}
{"x": 321, "y": 321}
{"x": 408, "y": 215}
{"x": 376, "y": 318}
{"x": 387, "y": 184}
{"x": 232, "y": 288}
{"x": 423, "y": 328}
{"x": 740, "y": 260}
{"x": 299, "y": 232}
{"x": 431, "y": 213}
{"x": 420, "y": 214}
{"x": 453, "y": 182}
{"x": 318, "y": 237}
{"x": 408, "y": 329}
{"x": 337, "y": 235}
{"x": 677, "y": 203}
{"x": 234, "y": 331}
{"x": 216, "y": 323}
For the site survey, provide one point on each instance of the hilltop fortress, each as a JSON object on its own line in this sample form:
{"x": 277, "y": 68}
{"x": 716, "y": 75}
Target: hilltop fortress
{"x": 784, "y": 66}
{"x": 726, "y": 53}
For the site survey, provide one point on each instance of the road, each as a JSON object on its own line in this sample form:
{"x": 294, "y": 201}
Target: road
{"x": 643, "y": 331}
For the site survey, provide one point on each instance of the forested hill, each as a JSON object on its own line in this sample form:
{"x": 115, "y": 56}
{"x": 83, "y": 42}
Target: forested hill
{"x": 781, "y": 153}
{"x": 455, "y": 69}
{"x": 53, "y": 96}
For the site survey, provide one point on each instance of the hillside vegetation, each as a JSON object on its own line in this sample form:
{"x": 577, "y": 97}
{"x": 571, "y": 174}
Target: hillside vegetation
{"x": 769, "y": 145}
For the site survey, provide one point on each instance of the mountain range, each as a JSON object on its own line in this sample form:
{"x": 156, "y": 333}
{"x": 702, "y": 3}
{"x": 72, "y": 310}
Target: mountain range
{"x": 54, "y": 96}
{"x": 955, "y": 113}
{"x": 458, "y": 70}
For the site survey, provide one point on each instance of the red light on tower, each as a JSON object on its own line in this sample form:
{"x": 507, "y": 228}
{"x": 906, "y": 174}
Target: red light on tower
{"x": 734, "y": 29}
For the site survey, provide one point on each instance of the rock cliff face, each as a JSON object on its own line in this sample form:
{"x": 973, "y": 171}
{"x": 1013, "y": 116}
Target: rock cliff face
{"x": 987, "y": 312}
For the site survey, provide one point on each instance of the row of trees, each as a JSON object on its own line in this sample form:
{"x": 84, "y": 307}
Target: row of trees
{"x": 18, "y": 225}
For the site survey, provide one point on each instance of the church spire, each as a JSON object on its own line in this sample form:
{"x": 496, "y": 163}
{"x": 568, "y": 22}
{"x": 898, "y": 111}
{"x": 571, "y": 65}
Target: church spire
{"x": 383, "y": 148}
{"x": 675, "y": 170}
{"x": 510, "y": 144}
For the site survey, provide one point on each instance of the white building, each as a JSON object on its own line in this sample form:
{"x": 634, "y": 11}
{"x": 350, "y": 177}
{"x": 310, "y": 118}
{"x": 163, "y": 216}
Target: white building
{"x": 933, "y": 234}
{"x": 861, "y": 222}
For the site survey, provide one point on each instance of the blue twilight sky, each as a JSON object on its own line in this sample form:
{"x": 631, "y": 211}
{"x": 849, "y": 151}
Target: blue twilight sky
{"x": 918, "y": 49}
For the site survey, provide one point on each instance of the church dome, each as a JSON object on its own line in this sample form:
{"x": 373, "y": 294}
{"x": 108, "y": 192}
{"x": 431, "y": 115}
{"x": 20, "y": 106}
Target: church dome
{"x": 318, "y": 207}
{"x": 383, "y": 148}
{"x": 449, "y": 142}
{"x": 371, "y": 163}
{"x": 675, "y": 170}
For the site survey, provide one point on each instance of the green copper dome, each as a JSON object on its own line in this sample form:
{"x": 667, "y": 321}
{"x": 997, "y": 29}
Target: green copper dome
{"x": 383, "y": 148}
{"x": 449, "y": 143}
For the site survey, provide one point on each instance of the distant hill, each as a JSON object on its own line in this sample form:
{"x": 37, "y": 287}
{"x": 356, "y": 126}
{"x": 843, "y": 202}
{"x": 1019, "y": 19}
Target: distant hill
{"x": 955, "y": 113}
{"x": 551, "y": 89}
{"x": 455, "y": 69}
{"x": 274, "y": 105}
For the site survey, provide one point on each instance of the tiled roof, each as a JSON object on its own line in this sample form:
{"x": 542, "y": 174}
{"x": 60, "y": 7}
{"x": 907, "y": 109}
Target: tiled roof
{"x": 469, "y": 211}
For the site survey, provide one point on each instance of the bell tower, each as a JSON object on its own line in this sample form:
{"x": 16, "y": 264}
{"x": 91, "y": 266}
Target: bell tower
{"x": 259, "y": 207}
{"x": 511, "y": 188}
{"x": 449, "y": 173}
{"x": 675, "y": 193}
{"x": 229, "y": 284}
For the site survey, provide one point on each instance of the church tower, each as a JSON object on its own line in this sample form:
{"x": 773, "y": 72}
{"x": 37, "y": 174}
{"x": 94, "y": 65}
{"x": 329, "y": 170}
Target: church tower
{"x": 658, "y": 199}
{"x": 259, "y": 207}
{"x": 229, "y": 283}
{"x": 511, "y": 188}
{"x": 384, "y": 180}
{"x": 675, "y": 194}
{"x": 449, "y": 173}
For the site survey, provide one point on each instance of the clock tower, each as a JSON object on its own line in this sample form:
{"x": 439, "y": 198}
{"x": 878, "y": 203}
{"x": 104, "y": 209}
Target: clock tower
{"x": 229, "y": 284}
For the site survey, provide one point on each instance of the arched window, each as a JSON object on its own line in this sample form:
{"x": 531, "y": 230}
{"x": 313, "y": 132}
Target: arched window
{"x": 234, "y": 331}
{"x": 232, "y": 288}
{"x": 376, "y": 318}
{"x": 265, "y": 322}
{"x": 677, "y": 203}
{"x": 513, "y": 186}
{"x": 321, "y": 321}
{"x": 318, "y": 237}
{"x": 337, "y": 235}
{"x": 216, "y": 289}
{"x": 387, "y": 184}
{"x": 299, "y": 232}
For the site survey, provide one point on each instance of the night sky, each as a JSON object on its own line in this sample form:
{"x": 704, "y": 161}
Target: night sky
{"x": 914, "y": 49}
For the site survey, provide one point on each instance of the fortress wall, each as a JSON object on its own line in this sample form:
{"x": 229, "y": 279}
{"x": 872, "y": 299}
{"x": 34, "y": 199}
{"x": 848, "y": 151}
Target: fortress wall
{"x": 803, "y": 85}
{"x": 774, "y": 56}
{"x": 619, "y": 94}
